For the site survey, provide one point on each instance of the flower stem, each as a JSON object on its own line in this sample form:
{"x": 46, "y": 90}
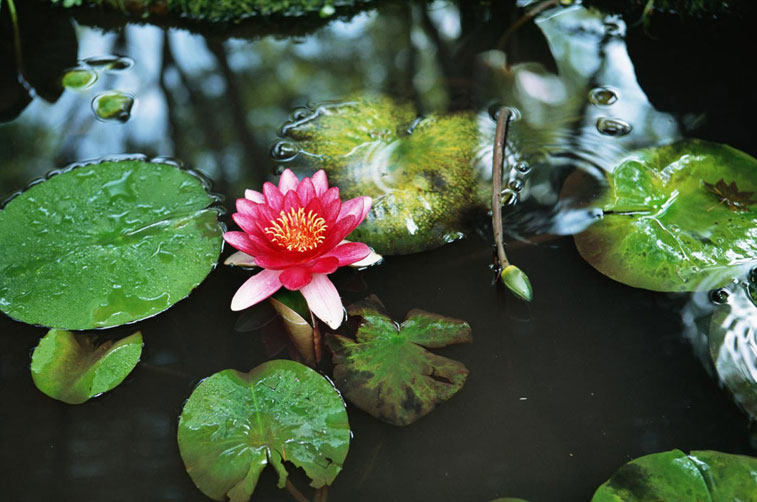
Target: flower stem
{"x": 295, "y": 493}
{"x": 16, "y": 33}
{"x": 500, "y": 145}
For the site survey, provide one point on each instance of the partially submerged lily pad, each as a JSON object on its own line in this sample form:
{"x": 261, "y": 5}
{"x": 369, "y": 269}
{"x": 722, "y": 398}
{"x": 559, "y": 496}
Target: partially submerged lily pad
{"x": 106, "y": 244}
{"x": 420, "y": 172}
{"x": 71, "y": 368}
{"x": 668, "y": 226}
{"x": 234, "y": 424}
{"x": 704, "y": 476}
{"x": 733, "y": 345}
{"x": 387, "y": 372}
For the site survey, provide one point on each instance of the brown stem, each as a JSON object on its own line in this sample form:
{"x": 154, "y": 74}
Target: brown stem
{"x": 317, "y": 339}
{"x": 295, "y": 493}
{"x": 500, "y": 146}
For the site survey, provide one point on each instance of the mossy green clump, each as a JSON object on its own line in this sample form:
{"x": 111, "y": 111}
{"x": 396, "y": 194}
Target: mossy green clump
{"x": 215, "y": 10}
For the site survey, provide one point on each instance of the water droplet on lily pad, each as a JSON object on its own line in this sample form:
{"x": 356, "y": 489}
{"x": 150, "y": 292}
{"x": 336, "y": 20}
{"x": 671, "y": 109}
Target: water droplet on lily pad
{"x": 79, "y": 78}
{"x": 613, "y": 126}
{"x": 284, "y": 151}
{"x": 113, "y": 106}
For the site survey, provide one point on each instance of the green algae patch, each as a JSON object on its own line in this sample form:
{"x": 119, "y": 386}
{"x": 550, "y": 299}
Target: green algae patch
{"x": 234, "y": 424}
{"x": 703, "y": 476}
{"x": 387, "y": 372}
{"x": 679, "y": 217}
{"x": 106, "y": 244}
{"x": 420, "y": 172}
{"x": 71, "y": 368}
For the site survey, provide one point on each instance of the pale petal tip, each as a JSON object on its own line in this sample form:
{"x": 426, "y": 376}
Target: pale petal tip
{"x": 372, "y": 259}
{"x": 240, "y": 259}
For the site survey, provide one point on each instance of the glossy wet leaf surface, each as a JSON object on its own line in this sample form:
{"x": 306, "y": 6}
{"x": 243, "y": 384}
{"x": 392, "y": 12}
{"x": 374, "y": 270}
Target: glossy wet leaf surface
{"x": 106, "y": 244}
{"x": 69, "y": 366}
{"x": 733, "y": 345}
{"x": 663, "y": 227}
{"x": 234, "y": 424}
{"x": 420, "y": 173}
{"x": 387, "y": 372}
{"x": 702, "y": 476}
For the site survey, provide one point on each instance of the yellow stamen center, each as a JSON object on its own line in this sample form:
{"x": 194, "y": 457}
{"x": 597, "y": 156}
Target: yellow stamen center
{"x": 297, "y": 231}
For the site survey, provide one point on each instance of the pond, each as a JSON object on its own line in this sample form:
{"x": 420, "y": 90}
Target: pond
{"x": 611, "y": 360}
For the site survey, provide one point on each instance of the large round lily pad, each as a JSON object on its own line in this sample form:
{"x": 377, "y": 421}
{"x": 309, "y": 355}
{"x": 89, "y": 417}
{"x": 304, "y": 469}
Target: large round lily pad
{"x": 420, "y": 172}
{"x": 387, "y": 372}
{"x": 71, "y": 368}
{"x": 234, "y": 424}
{"x": 106, "y": 244}
{"x": 702, "y": 476}
{"x": 676, "y": 218}
{"x": 733, "y": 345}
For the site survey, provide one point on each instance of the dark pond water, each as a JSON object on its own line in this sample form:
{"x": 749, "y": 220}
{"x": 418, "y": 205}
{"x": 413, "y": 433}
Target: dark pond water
{"x": 561, "y": 392}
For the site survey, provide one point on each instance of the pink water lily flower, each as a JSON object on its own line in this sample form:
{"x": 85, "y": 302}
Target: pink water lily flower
{"x": 295, "y": 232}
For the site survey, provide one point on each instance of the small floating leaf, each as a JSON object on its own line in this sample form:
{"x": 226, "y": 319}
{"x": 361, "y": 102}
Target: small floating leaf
{"x": 664, "y": 230}
{"x": 421, "y": 172}
{"x": 113, "y": 105}
{"x": 79, "y": 78}
{"x": 706, "y": 476}
{"x": 106, "y": 244}
{"x": 70, "y": 368}
{"x": 733, "y": 345}
{"x": 234, "y": 424}
{"x": 386, "y": 371}
{"x": 517, "y": 282}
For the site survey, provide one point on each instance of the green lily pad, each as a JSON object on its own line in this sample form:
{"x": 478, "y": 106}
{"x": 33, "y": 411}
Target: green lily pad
{"x": 71, "y": 368}
{"x": 234, "y": 424}
{"x": 386, "y": 371}
{"x": 676, "y": 218}
{"x": 421, "y": 173}
{"x": 106, "y": 244}
{"x": 703, "y": 476}
{"x": 733, "y": 345}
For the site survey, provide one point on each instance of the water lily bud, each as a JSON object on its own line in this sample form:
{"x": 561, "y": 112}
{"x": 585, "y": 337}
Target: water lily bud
{"x": 517, "y": 282}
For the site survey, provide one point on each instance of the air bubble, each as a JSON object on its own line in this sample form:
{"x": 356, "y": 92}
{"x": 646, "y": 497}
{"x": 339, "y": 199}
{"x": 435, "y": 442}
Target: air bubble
{"x": 113, "y": 106}
{"x": 719, "y": 296}
{"x": 509, "y": 197}
{"x": 284, "y": 151}
{"x": 516, "y": 185}
{"x": 495, "y": 109}
{"x": 522, "y": 167}
{"x": 603, "y": 96}
{"x": 300, "y": 114}
{"x": 613, "y": 127}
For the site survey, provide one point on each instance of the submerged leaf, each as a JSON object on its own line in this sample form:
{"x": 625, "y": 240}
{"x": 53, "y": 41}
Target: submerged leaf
{"x": 730, "y": 195}
{"x": 703, "y": 476}
{"x": 234, "y": 424}
{"x": 733, "y": 345}
{"x": 106, "y": 244}
{"x": 420, "y": 172}
{"x": 70, "y": 368}
{"x": 386, "y": 371}
{"x": 662, "y": 228}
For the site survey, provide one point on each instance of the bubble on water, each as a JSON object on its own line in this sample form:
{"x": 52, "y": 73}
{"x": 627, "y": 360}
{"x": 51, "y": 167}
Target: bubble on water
{"x": 495, "y": 109}
{"x": 613, "y": 126}
{"x": 522, "y": 167}
{"x": 327, "y": 10}
{"x": 516, "y": 185}
{"x": 719, "y": 296}
{"x": 79, "y": 78}
{"x": 603, "y": 96}
{"x": 113, "y": 106}
{"x": 111, "y": 63}
{"x": 284, "y": 151}
{"x": 300, "y": 113}
{"x": 509, "y": 197}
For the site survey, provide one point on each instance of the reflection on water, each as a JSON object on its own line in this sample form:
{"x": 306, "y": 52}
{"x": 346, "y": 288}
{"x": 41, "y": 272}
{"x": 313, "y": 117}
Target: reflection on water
{"x": 564, "y": 390}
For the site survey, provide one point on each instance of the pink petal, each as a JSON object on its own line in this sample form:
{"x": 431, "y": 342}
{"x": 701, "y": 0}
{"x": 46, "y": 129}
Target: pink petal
{"x": 291, "y": 201}
{"x": 295, "y": 278}
{"x": 325, "y": 265}
{"x": 254, "y": 196}
{"x": 331, "y": 204}
{"x": 275, "y": 261}
{"x": 288, "y": 181}
{"x": 357, "y": 207}
{"x": 337, "y": 232}
{"x": 349, "y": 252}
{"x": 246, "y": 206}
{"x": 245, "y": 222}
{"x": 273, "y": 196}
{"x": 323, "y": 300}
{"x": 241, "y": 259}
{"x": 306, "y": 191}
{"x": 242, "y": 242}
{"x": 320, "y": 183}
{"x": 256, "y": 289}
